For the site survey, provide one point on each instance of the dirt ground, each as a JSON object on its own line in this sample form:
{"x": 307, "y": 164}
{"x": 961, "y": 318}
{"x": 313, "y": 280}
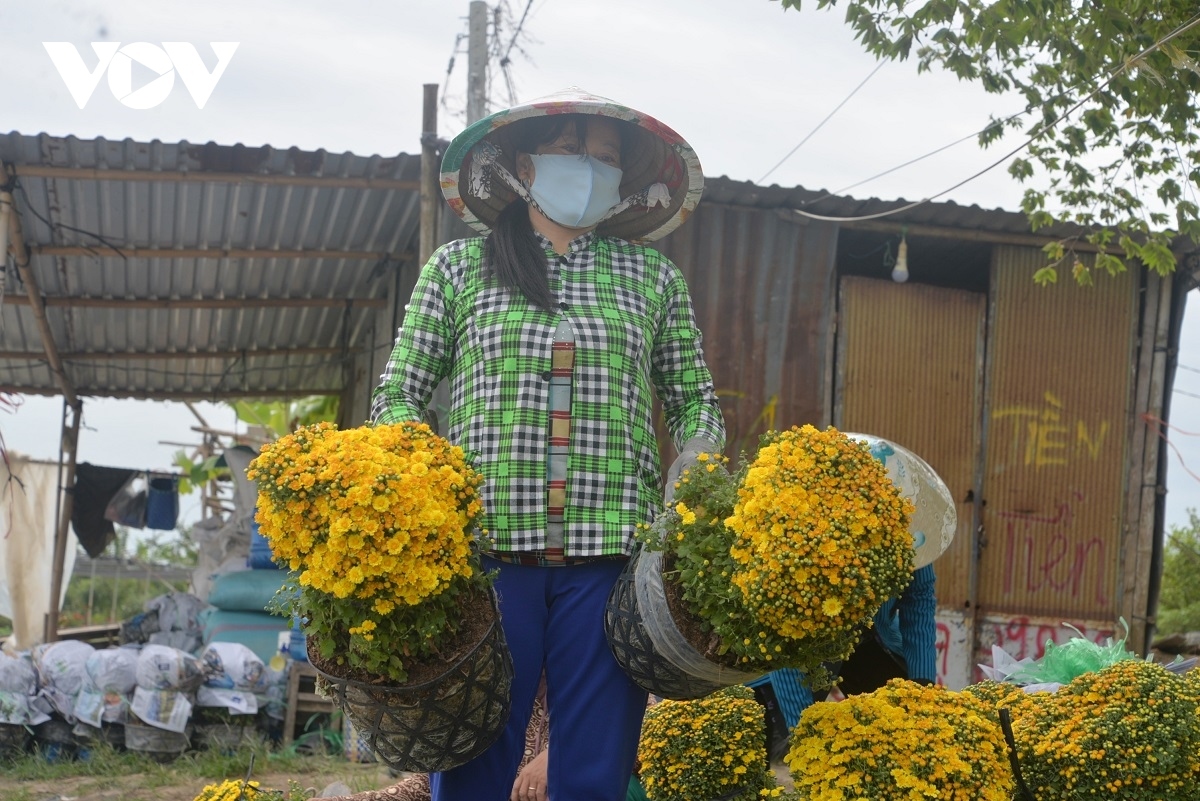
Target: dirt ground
{"x": 133, "y": 788}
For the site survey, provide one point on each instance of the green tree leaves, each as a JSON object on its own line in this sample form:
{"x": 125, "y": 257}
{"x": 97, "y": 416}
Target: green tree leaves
{"x": 1111, "y": 118}
{"x": 1179, "y": 602}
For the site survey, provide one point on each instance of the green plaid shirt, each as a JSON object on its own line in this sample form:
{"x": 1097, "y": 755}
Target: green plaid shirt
{"x": 634, "y": 328}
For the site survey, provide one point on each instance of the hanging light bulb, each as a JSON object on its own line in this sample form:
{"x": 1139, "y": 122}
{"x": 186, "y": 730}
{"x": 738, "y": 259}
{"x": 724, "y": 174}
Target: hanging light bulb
{"x": 900, "y": 271}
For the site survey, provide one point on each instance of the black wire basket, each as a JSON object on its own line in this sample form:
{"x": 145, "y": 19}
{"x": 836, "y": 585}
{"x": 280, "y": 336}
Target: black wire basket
{"x": 436, "y": 725}
{"x": 636, "y": 652}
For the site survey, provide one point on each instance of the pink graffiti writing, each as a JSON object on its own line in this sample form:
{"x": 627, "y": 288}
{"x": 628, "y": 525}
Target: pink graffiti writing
{"x": 1023, "y": 638}
{"x": 1041, "y": 553}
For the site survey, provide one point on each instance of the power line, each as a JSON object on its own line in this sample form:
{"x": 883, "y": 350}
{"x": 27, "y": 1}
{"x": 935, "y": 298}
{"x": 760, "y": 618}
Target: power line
{"x": 912, "y": 161}
{"x": 822, "y": 122}
{"x": 504, "y": 61}
{"x": 1182, "y": 28}
{"x": 516, "y": 33}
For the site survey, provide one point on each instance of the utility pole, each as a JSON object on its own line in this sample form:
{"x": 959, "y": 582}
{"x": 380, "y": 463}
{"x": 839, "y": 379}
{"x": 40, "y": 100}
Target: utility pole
{"x": 477, "y": 61}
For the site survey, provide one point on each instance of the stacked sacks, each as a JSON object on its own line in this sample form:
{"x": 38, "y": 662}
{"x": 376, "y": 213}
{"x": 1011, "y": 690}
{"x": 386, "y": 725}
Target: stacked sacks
{"x": 172, "y": 619}
{"x": 166, "y": 681}
{"x": 178, "y": 620}
{"x": 19, "y": 707}
{"x": 234, "y": 677}
{"x": 241, "y": 597}
{"x": 102, "y": 705}
{"x": 239, "y": 611}
{"x": 61, "y": 671}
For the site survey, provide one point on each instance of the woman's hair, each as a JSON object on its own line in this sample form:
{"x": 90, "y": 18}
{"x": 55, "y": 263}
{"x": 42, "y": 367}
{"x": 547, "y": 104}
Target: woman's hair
{"x": 512, "y": 252}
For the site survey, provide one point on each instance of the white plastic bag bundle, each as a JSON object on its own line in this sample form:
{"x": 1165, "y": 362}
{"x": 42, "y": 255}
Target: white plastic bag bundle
{"x": 61, "y": 671}
{"x": 236, "y": 702}
{"x": 233, "y": 666}
{"x": 18, "y": 686}
{"x": 111, "y": 677}
{"x": 177, "y": 611}
{"x": 161, "y": 667}
{"x": 17, "y": 674}
{"x": 163, "y": 709}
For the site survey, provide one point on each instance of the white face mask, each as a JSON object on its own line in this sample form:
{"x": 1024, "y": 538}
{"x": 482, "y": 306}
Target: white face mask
{"x": 575, "y": 191}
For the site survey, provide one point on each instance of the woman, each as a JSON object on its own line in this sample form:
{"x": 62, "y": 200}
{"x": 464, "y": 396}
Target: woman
{"x": 556, "y": 333}
{"x": 902, "y": 644}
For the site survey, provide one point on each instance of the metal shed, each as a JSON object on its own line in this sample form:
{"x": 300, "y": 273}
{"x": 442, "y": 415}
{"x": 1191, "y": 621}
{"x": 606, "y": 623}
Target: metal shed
{"x": 181, "y": 271}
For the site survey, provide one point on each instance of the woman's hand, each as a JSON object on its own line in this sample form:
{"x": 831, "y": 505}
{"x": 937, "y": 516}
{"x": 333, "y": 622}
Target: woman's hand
{"x": 530, "y": 784}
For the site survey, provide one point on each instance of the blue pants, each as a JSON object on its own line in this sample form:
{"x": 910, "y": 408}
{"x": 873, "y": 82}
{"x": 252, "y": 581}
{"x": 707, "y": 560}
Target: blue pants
{"x": 553, "y": 619}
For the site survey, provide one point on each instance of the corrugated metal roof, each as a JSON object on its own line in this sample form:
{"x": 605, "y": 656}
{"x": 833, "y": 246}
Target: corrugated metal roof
{"x": 942, "y": 214}
{"x": 180, "y": 270}
{"x": 205, "y": 271}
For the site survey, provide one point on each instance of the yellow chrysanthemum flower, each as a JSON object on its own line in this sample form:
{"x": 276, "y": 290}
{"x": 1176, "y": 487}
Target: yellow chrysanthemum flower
{"x": 379, "y": 524}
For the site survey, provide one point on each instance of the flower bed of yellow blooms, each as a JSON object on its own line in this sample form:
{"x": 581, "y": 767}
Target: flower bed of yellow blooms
{"x": 711, "y": 748}
{"x": 378, "y": 523}
{"x": 786, "y": 559}
{"x": 903, "y": 742}
{"x": 241, "y": 790}
{"x": 1128, "y": 731}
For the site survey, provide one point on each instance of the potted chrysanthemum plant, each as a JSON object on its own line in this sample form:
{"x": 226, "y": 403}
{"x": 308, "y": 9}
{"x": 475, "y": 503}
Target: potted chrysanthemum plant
{"x": 707, "y": 749}
{"x": 903, "y": 741}
{"x": 783, "y": 562}
{"x": 1129, "y": 730}
{"x": 378, "y": 525}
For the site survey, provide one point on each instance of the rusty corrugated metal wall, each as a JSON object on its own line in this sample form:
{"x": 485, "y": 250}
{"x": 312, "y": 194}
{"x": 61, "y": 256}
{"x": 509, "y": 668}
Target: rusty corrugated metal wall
{"x": 1059, "y": 371}
{"x": 762, "y": 284}
{"x": 909, "y": 369}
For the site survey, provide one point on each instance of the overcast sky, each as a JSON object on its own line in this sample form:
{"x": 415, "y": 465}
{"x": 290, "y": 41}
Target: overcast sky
{"x": 742, "y": 80}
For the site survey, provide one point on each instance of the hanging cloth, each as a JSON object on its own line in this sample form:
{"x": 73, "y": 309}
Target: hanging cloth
{"x": 94, "y": 487}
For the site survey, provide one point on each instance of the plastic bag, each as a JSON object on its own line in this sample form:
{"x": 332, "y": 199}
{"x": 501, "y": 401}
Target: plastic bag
{"x": 1062, "y": 663}
{"x": 177, "y": 611}
{"x": 17, "y": 675}
{"x": 237, "y": 702}
{"x": 161, "y": 667}
{"x": 232, "y": 666}
{"x": 162, "y": 709}
{"x": 128, "y": 505}
{"x": 111, "y": 677}
{"x": 61, "y": 670}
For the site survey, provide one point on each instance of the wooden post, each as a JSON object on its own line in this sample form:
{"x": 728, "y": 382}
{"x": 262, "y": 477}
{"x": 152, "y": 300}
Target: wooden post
{"x": 66, "y": 505}
{"x": 430, "y": 184}
{"x": 431, "y": 203}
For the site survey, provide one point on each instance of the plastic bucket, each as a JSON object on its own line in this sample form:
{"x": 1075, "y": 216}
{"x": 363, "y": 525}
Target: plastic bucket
{"x": 162, "y": 503}
{"x": 261, "y": 557}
